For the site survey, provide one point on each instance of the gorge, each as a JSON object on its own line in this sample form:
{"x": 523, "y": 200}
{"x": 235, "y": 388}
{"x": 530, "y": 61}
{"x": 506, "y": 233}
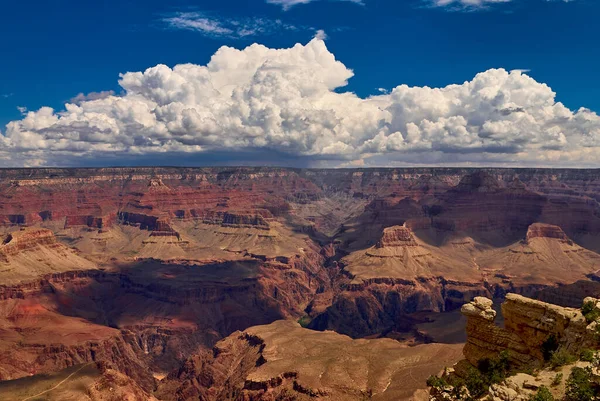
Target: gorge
{"x": 271, "y": 283}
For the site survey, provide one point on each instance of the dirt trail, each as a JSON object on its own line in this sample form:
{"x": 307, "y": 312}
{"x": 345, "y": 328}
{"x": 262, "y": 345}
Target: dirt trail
{"x": 58, "y": 385}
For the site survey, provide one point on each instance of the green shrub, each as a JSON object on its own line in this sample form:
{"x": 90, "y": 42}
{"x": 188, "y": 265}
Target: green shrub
{"x": 561, "y": 358}
{"x": 476, "y": 383}
{"x": 436, "y": 382}
{"x": 304, "y": 321}
{"x": 495, "y": 370}
{"x": 557, "y": 379}
{"x": 590, "y": 312}
{"x": 587, "y": 355}
{"x": 543, "y": 394}
{"x": 579, "y": 385}
{"x": 529, "y": 370}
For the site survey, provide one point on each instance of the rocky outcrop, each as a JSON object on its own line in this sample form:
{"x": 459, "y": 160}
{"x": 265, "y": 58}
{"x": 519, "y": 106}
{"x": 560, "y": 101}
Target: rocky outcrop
{"x": 480, "y": 181}
{"x": 118, "y": 351}
{"x": 26, "y": 240}
{"x": 91, "y": 221}
{"x": 193, "y": 254}
{"x": 283, "y": 361}
{"x": 166, "y": 311}
{"x": 379, "y": 305}
{"x": 238, "y": 219}
{"x": 530, "y": 328}
{"x": 30, "y": 253}
{"x": 114, "y": 385}
{"x": 396, "y": 236}
{"x": 539, "y": 230}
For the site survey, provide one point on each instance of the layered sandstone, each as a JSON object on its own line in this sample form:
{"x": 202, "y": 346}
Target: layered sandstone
{"x": 169, "y": 309}
{"x": 528, "y": 324}
{"x": 29, "y": 253}
{"x": 284, "y": 360}
{"x": 546, "y": 255}
{"x": 192, "y": 254}
{"x": 396, "y": 236}
{"x": 539, "y": 230}
{"x": 26, "y": 240}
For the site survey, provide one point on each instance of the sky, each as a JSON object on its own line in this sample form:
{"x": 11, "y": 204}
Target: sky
{"x": 306, "y": 83}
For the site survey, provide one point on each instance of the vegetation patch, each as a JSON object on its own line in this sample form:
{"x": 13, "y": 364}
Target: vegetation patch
{"x": 561, "y": 358}
{"x": 590, "y": 312}
{"x": 543, "y": 394}
{"x": 580, "y": 386}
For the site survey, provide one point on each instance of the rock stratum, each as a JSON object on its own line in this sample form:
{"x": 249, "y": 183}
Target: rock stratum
{"x": 528, "y": 324}
{"x": 539, "y": 343}
{"x": 186, "y": 282}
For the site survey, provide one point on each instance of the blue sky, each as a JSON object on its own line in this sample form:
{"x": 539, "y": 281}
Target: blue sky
{"x": 52, "y": 51}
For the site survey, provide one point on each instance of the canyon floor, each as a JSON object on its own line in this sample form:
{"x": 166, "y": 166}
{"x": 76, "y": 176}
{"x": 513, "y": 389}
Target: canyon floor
{"x": 269, "y": 283}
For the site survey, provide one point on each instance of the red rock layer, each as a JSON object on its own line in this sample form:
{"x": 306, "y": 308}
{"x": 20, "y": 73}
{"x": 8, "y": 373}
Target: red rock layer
{"x": 396, "y": 236}
{"x": 539, "y": 230}
{"x": 26, "y": 240}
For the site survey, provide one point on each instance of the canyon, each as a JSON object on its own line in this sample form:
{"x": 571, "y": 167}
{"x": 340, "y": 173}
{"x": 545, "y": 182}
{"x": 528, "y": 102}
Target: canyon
{"x": 253, "y": 283}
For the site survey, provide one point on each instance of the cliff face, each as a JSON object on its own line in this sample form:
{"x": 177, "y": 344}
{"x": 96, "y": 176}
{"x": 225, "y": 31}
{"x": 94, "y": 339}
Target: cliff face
{"x": 513, "y": 199}
{"x": 539, "y": 230}
{"x": 167, "y": 311}
{"x": 165, "y": 262}
{"x": 29, "y": 253}
{"x": 528, "y": 325}
{"x": 26, "y": 241}
{"x": 396, "y": 237}
{"x": 283, "y": 361}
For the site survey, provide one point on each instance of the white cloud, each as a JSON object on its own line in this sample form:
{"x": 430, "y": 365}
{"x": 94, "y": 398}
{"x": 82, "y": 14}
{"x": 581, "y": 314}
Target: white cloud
{"x": 467, "y": 3}
{"x": 215, "y": 26}
{"x": 473, "y": 4}
{"x": 287, "y": 4}
{"x": 321, "y": 35}
{"x": 521, "y": 70}
{"x": 289, "y": 102}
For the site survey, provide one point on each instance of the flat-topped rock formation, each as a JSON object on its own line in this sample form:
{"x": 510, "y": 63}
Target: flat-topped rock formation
{"x": 27, "y": 240}
{"x": 266, "y": 362}
{"x": 29, "y": 253}
{"x": 546, "y": 255}
{"x": 540, "y": 230}
{"x": 396, "y": 236}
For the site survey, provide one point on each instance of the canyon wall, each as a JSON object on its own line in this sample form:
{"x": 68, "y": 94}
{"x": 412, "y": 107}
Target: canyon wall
{"x": 531, "y": 328}
{"x": 142, "y": 267}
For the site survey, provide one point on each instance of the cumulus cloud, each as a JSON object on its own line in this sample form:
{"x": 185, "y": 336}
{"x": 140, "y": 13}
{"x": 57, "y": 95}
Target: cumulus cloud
{"x": 289, "y": 103}
{"x": 287, "y": 4}
{"x": 215, "y": 26}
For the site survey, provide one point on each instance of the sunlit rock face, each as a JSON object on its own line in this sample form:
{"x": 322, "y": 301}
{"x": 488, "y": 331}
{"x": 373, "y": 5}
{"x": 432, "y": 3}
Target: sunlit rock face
{"x": 539, "y": 230}
{"x": 396, "y": 236}
{"x": 145, "y": 270}
{"x": 528, "y": 324}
